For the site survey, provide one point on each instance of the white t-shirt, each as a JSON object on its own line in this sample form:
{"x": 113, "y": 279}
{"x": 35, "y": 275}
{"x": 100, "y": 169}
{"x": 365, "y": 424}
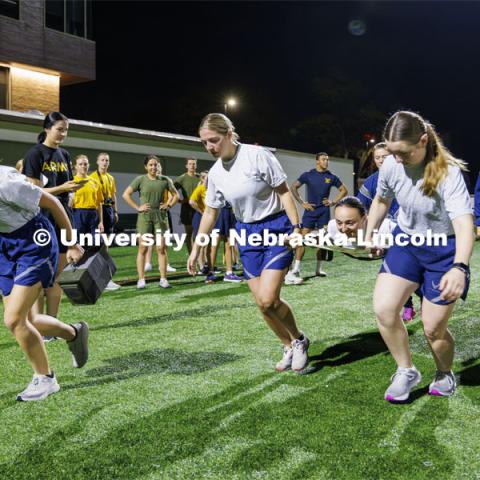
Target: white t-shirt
{"x": 417, "y": 212}
{"x": 387, "y": 226}
{"x": 19, "y": 200}
{"x": 247, "y": 182}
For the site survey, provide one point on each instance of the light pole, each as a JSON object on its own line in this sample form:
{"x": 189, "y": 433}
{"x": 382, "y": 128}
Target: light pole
{"x": 229, "y": 102}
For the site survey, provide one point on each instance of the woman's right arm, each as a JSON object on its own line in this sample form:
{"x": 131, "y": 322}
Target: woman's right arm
{"x": 378, "y": 211}
{"x": 127, "y": 196}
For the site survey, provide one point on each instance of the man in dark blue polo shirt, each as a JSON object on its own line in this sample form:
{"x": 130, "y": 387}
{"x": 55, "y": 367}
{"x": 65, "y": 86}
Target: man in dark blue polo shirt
{"x": 319, "y": 181}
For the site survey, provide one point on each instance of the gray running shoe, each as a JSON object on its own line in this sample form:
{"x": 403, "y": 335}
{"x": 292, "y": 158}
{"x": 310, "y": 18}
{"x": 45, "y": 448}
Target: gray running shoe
{"x": 300, "y": 354}
{"x": 444, "y": 384}
{"x": 79, "y": 346}
{"x": 286, "y": 362}
{"x": 403, "y": 380}
{"x": 39, "y": 388}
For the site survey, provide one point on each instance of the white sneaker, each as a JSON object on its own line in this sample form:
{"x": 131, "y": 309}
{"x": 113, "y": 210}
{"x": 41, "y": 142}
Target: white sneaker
{"x": 141, "y": 283}
{"x": 39, "y": 388}
{"x": 300, "y": 354}
{"x": 286, "y": 362}
{"x": 170, "y": 268}
{"x": 164, "y": 283}
{"x": 292, "y": 278}
{"x": 403, "y": 380}
{"x": 320, "y": 273}
{"x": 111, "y": 285}
{"x": 148, "y": 267}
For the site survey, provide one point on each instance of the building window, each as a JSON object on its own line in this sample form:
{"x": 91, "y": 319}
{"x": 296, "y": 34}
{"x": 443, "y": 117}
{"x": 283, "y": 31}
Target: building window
{"x": 76, "y": 17}
{"x": 69, "y": 16}
{"x": 55, "y": 14}
{"x": 9, "y": 8}
{"x": 3, "y": 87}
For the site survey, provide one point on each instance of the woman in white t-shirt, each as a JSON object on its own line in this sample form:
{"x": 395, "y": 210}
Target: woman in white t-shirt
{"x": 29, "y": 256}
{"x": 254, "y": 183}
{"x": 428, "y": 184}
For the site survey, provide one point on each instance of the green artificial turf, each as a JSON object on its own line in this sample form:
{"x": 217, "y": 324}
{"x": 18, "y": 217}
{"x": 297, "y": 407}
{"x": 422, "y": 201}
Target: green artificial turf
{"x": 180, "y": 385}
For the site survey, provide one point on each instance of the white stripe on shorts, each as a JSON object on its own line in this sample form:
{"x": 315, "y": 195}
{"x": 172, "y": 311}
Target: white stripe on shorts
{"x": 386, "y": 267}
{"x": 34, "y": 267}
{"x": 276, "y": 257}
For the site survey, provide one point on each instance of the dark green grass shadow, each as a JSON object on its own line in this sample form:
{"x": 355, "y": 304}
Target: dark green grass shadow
{"x": 353, "y": 349}
{"x": 194, "y": 313}
{"x": 470, "y": 375}
{"x": 153, "y": 289}
{"x": 4, "y": 346}
{"x": 154, "y": 361}
{"x": 227, "y": 292}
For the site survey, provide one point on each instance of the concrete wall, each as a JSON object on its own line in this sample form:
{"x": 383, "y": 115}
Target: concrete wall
{"x": 128, "y": 147}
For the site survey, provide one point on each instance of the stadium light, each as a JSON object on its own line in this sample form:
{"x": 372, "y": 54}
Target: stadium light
{"x": 229, "y": 102}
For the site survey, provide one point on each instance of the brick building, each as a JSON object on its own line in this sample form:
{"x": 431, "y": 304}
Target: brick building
{"x": 44, "y": 44}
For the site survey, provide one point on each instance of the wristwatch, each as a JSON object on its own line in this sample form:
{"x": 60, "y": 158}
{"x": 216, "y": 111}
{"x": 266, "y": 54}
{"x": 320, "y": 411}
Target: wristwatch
{"x": 463, "y": 267}
{"x": 298, "y": 225}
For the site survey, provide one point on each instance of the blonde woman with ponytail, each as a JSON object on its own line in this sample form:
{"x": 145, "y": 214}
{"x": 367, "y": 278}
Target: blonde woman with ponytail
{"x": 254, "y": 183}
{"x": 428, "y": 184}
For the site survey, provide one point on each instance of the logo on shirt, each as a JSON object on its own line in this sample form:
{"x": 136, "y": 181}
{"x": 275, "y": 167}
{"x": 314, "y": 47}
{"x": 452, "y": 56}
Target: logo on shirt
{"x": 54, "y": 167}
{"x": 328, "y": 180}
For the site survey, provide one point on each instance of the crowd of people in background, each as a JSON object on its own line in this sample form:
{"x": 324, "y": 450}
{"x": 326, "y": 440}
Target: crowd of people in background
{"x": 415, "y": 185}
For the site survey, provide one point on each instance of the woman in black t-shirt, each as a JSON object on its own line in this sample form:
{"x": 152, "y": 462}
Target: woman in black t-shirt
{"x": 49, "y": 166}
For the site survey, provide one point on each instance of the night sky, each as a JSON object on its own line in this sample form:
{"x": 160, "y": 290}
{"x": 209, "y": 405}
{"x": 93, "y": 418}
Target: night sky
{"x": 300, "y": 76}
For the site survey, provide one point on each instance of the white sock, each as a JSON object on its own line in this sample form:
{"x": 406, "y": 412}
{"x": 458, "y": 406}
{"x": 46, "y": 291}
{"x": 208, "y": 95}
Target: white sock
{"x": 319, "y": 265}
{"x": 228, "y": 272}
{"x": 296, "y": 266}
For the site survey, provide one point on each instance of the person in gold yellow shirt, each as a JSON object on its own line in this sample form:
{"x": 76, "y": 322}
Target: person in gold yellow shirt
{"x": 109, "y": 190}
{"x": 109, "y": 206}
{"x": 87, "y": 201}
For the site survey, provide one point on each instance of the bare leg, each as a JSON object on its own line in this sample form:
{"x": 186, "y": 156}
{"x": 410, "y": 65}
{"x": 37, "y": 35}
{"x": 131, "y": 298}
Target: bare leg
{"x": 162, "y": 258}
{"x": 389, "y": 295}
{"x": 51, "y": 327}
{"x": 189, "y": 237}
{"x": 149, "y": 254}
{"x": 213, "y": 253}
{"x": 228, "y": 255}
{"x": 142, "y": 251}
{"x": 17, "y": 305}
{"x": 54, "y": 294}
{"x": 276, "y": 312}
{"x": 300, "y": 251}
{"x": 435, "y": 322}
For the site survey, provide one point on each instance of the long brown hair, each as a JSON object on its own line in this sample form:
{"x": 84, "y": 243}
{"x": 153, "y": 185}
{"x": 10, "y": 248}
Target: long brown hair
{"x": 409, "y": 127}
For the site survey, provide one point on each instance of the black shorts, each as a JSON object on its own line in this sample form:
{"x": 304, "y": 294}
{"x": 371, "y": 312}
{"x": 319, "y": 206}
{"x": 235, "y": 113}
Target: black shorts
{"x": 62, "y": 248}
{"x": 108, "y": 218}
{"x": 186, "y": 214}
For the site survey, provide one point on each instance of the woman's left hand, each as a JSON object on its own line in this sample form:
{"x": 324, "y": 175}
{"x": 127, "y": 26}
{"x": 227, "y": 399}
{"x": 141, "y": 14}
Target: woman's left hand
{"x": 164, "y": 206}
{"x": 452, "y": 285}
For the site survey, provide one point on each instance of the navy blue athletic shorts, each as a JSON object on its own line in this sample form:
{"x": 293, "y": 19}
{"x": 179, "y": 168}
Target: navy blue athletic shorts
{"x": 424, "y": 265}
{"x": 254, "y": 258}
{"x": 22, "y": 261}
